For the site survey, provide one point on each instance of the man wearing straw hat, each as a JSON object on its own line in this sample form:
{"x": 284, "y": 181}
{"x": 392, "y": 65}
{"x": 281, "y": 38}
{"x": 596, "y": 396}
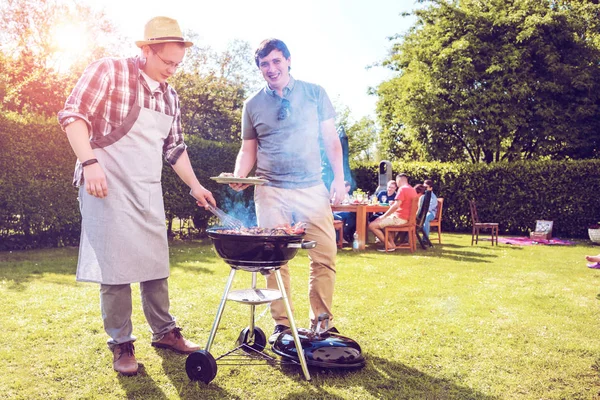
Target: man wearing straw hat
{"x": 121, "y": 119}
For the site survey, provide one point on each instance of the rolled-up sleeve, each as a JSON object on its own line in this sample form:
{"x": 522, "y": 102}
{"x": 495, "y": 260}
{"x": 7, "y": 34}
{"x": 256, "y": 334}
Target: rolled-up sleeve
{"x": 174, "y": 145}
{"x": 88, "y": 94}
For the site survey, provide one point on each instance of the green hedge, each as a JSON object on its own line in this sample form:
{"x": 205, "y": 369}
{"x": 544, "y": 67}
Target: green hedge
{"x": 38, "y": 205}
{"x": 513, "y": 194}
{"x": 208, "y": 159}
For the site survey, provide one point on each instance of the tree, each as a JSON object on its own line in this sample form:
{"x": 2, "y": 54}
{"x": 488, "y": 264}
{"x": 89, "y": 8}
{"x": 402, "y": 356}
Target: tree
{"x": 33, "y": 77}
{"x": 210, "y": 105}
{"x": 212, "y": 87}
{"x": 495, "y": 80}
{"x": 362, "y": 139}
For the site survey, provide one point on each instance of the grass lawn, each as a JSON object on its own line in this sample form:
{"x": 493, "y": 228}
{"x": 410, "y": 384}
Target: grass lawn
{"x": 453, "y": 322}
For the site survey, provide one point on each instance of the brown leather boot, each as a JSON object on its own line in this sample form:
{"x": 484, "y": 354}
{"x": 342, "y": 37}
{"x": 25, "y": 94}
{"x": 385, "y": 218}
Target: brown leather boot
{"x": 174, "y": 341}
{"x": 124, "y": 360}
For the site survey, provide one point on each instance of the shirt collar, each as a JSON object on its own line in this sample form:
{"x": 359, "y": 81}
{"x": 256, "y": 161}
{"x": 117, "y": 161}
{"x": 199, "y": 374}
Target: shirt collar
{"x": 139, "y": 63}
{"x": 286, "y": 90}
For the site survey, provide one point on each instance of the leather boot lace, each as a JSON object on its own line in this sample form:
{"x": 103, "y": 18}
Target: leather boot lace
{"x": 126, "y": 348}
{"x": 177, "y": 332}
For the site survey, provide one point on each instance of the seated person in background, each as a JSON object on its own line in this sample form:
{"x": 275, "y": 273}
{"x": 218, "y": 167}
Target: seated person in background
{"x": 348, "y": 218}
{"x": 593, "y": 258}
{"x": 595, "y": 261}
{"x": 399, "y": 212}
{"x": 347, "y": 187}
{"x": 385, "y": 196}
{"x": 420, "y": 189}
{"x": 433, "y": 205}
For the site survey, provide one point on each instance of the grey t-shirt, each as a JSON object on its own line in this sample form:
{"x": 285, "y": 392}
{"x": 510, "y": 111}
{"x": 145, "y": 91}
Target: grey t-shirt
{"x": 288, "y": 150}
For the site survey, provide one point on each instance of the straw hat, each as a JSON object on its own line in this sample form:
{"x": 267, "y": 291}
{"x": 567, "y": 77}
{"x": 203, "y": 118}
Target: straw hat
{"x": 162, "y": 30}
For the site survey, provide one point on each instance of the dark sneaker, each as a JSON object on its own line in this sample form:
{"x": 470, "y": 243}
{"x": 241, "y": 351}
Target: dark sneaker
{"x": 332, "y": 330}
{"x": 278, "y": 329}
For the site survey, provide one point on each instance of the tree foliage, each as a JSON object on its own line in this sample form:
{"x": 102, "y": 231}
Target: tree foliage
{"x": 210, "y": 105}
{"x": 495, "y": 80}
{"x": 212, "y": 87}
{"x": 362, "y": 134}
{"x": 362, "y": 139}
{"x": 34, "y": 79}
{"x": 35, "y": 83}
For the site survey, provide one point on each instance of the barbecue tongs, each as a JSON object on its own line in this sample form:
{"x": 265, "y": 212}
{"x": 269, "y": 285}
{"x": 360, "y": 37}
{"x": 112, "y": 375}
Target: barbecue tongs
{"x": 227, "y": 220}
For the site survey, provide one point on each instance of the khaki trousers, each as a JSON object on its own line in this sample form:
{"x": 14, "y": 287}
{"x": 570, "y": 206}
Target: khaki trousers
{"x": 277, "y": 206}
{"x": 115, "y": 303}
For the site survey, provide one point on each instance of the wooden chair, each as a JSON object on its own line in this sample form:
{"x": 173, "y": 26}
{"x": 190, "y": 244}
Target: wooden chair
{"x": 437, "y": 221}
{"x": 409, "y": 228}
{"x": 339, "y": 227}
{"x": 422, "y": 237}
{"x": 477, "y": 225}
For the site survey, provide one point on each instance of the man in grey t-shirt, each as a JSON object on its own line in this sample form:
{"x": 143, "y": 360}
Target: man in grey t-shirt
{"x": 282, "y": 125}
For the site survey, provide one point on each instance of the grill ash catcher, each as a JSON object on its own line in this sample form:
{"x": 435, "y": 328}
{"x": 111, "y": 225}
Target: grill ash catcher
{"x": 266, "y": 254}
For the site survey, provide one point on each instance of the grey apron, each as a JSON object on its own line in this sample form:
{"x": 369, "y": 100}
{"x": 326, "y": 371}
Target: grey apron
{"x": 124, "y": 236}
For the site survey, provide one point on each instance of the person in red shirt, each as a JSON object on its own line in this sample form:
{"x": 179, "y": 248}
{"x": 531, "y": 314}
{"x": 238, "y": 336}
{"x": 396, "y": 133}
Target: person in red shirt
{"x": 398, "y": 213}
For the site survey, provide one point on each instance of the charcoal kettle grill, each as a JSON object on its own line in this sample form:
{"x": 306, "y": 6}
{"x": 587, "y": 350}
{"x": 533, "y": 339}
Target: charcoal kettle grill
{"x": 256, "y": 254}
{"x": 322, "y": 348}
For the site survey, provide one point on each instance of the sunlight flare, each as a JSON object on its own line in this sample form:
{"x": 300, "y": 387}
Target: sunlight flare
{"x": 69, "y": 41}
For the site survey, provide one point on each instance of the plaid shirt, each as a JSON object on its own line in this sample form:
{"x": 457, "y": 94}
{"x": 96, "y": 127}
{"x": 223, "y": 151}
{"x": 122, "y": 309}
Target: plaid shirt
{"x": 105, "y": 94}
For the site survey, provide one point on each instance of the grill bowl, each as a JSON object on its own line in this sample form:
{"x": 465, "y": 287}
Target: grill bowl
{"x": 256, "y": 252}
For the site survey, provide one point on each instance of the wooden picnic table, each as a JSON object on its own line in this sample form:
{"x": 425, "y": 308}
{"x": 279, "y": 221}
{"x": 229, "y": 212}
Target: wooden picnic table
{"x": 362, "y": 211}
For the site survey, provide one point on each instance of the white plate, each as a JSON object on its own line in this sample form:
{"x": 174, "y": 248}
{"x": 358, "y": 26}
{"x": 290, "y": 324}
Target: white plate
{"x": 233, "y": 179}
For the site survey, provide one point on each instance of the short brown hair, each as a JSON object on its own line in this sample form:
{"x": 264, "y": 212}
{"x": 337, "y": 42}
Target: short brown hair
{"x": 267, "y": 46}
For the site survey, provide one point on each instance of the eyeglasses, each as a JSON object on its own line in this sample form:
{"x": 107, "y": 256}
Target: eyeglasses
{"x": 169, "y": 64}
{"x": 284, "y": 111}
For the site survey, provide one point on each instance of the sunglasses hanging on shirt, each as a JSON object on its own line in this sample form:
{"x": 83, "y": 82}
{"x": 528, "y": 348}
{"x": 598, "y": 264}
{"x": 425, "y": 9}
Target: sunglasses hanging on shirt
{"x": 284, "y": 111}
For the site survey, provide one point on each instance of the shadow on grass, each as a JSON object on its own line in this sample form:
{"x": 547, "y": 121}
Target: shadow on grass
{"x": 384, "y": 379}
{"x": 442, "y": 251}
{"x": 18, "y": 268}
{"x": 142, "y": 385}
{"x": 174, "y": 367}
{"x": 380, "y": 378}
{"x": 463, "y": 256}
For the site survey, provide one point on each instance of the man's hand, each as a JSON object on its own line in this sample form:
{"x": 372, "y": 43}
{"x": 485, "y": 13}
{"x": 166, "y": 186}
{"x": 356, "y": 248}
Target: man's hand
{"x": 203, "y": 196}
{"x": 337, "y": 191}
{"x": 95, "y": 180}
{"x": 238, "y": 187}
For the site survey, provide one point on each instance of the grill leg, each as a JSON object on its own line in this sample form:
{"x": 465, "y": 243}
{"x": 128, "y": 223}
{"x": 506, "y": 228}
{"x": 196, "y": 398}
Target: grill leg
{"x": 213, "y": 331}
{"x": 252, "y": 311}
{"x": 288, "y": 310}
